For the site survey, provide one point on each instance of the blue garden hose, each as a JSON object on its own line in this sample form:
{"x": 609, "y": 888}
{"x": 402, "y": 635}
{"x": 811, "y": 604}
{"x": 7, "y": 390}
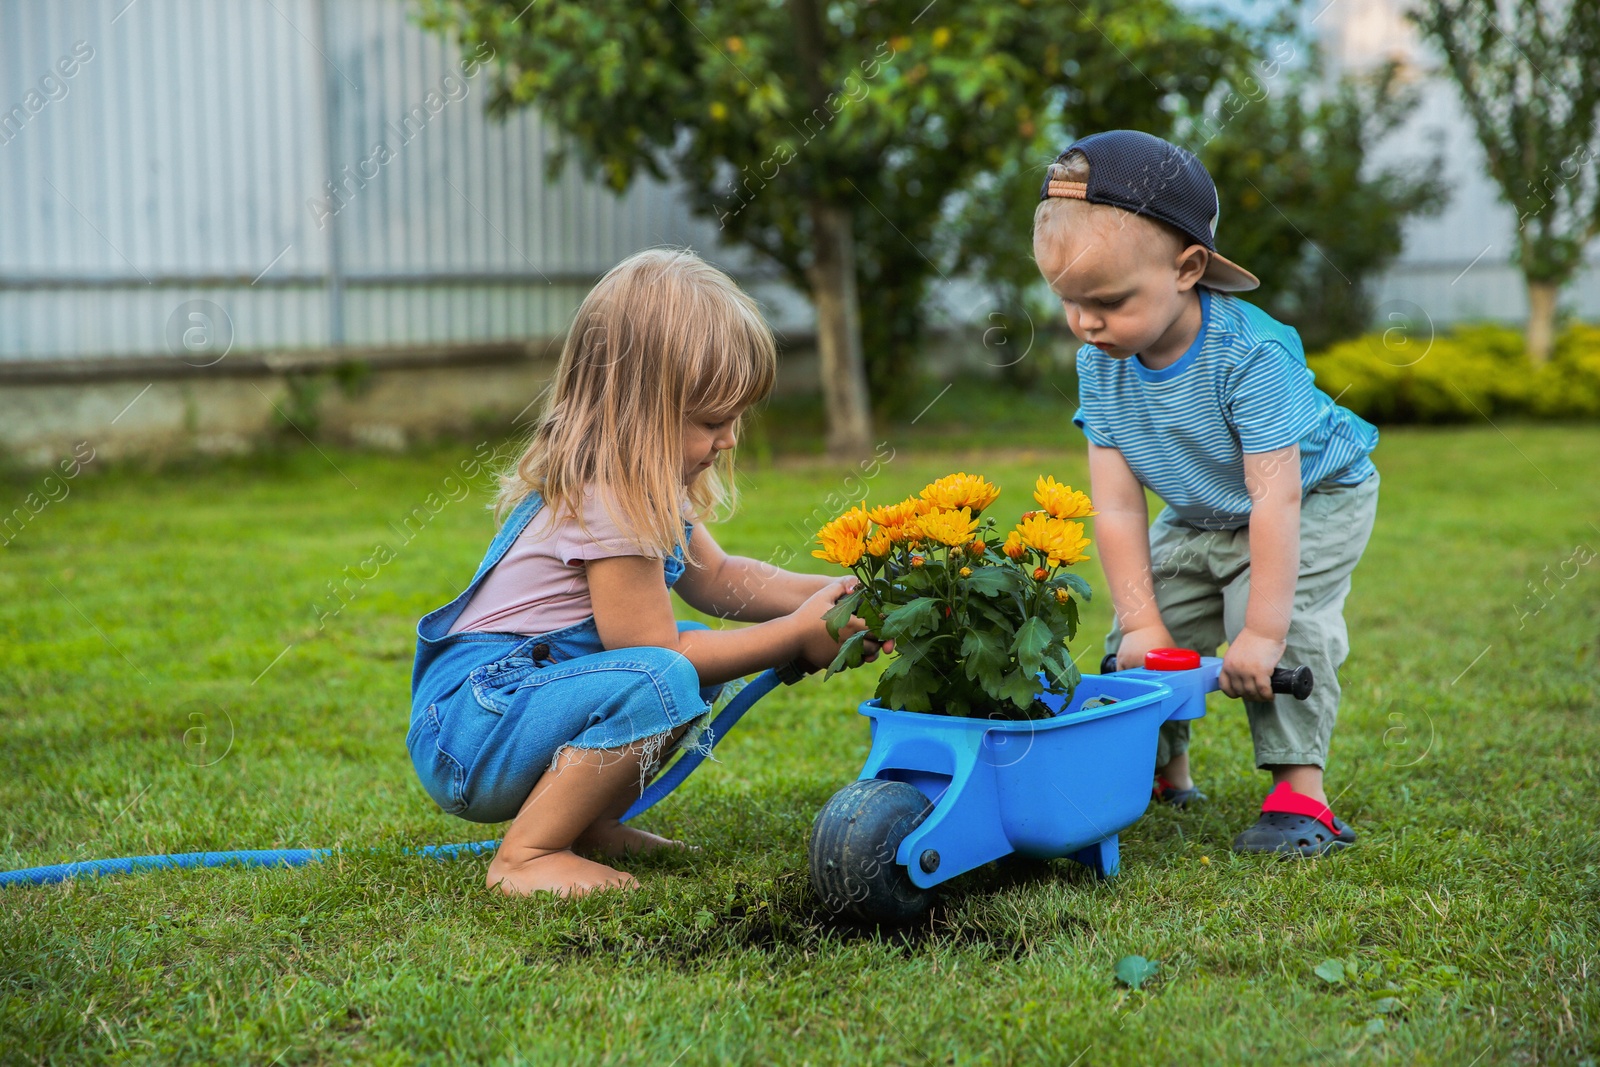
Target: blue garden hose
{"x": 754, "y": 690}
{"x": 299, "y": 857}
{"x": 259, "y": 857}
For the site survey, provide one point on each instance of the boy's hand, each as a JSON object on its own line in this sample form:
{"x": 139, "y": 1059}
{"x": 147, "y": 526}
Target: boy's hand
{"x": 1135, "y": 643}
{"x": 1247, "y": 668}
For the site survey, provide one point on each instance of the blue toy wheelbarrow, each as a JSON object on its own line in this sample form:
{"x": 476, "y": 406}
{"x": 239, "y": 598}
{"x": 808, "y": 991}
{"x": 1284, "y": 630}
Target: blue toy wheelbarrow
{"x": 942, "y": 795}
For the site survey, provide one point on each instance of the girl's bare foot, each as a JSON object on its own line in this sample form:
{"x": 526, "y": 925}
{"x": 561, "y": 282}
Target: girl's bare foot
{"x": 616, "y": 840}
{"x": 554, "y": 871}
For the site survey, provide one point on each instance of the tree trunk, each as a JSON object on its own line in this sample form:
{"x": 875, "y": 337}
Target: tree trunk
{"x": 833, "y": 291}
{"x": 833, "y": 271}
{"x": 1541, "y": 319}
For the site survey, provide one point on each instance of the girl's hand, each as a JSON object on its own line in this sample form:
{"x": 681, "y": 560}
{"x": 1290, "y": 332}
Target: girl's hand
{"x": 816, "y": 647}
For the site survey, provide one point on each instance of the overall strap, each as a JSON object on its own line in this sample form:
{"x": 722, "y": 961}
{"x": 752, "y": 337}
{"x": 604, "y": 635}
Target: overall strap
{"x": 515, "y": 523}
{"x": 434, "y": 627}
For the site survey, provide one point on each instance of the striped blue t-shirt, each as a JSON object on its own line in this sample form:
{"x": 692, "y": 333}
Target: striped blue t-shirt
{"x": 1242, "y": 386}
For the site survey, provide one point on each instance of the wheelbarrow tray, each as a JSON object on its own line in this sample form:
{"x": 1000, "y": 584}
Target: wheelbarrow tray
{"x": 1045, "y": 788}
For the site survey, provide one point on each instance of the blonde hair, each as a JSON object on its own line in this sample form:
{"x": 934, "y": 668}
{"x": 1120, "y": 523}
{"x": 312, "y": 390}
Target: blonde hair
{"x": 1058, "y": 215}
{"x": 663, "y": 336}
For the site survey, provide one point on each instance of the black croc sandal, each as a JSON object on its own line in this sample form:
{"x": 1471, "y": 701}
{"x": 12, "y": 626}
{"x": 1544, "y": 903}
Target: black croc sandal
{"x": 1292, "y": 824}
{"x": 1166, "y": 793}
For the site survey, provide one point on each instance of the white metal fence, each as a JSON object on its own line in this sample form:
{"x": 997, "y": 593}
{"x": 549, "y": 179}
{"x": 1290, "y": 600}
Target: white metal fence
{"x": 321, "y": 170}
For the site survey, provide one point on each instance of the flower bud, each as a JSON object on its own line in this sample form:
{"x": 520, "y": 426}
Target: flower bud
{"x": 917, "y": 561}
{"x": 1040, "y": 573}
{"x": 1062, "y": 596}
{"x": 966, "y": 572}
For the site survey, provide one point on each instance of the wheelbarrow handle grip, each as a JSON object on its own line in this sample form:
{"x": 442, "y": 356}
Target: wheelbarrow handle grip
{"x": 1292, "y": 681}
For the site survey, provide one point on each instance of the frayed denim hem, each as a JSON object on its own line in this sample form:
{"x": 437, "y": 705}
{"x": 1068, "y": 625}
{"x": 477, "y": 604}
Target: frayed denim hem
{"x": 654, "y": 750}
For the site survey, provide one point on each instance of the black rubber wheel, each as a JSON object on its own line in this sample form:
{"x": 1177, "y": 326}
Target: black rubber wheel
{"x": 853, "y": 845}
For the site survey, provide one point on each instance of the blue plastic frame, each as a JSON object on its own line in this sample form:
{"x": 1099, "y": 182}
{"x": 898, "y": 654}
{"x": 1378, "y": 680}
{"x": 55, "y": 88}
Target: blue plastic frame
{"x": 1063, "y": 786}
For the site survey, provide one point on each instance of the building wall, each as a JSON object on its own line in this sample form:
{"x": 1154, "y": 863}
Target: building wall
{"x": 229, "y": 154}
{"x": 1456, "y": 265}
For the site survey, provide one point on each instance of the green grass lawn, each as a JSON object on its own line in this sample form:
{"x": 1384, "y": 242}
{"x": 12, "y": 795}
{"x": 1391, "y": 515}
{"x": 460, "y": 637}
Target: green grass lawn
{"x": 167, "y": 687}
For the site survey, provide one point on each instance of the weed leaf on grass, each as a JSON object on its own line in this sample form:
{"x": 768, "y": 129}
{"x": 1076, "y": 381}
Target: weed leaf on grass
{"x": 1135, "y": 971}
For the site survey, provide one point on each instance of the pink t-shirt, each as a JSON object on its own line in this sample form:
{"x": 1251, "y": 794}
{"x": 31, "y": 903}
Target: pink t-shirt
{"x": 540, "y": 584}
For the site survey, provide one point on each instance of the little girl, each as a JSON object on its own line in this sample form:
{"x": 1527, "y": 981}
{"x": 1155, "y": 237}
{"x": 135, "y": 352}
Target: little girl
{"x": 548, "y": 691}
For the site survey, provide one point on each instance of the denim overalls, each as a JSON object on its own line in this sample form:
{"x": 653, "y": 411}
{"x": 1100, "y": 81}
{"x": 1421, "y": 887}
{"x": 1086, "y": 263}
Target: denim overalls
{"x": 489, "y": 711}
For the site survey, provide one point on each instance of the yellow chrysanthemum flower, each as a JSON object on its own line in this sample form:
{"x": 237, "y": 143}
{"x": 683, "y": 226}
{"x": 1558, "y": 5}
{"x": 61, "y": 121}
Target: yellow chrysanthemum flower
{"x": 1061, "y": 541}
{"x": 844, "y": 540}
{"x": 1062, "y": 501}
{"x": 855, "y": 521}
{"x": 840, "y": 548}
{"x": 1072, "y": 544}
{"x": 961, "y": 490}
{"x": 893, "y": 515}
{"x": 947, "y": 527}
{"x": 1014, "y": 546}
{"x": 879, "y": 543}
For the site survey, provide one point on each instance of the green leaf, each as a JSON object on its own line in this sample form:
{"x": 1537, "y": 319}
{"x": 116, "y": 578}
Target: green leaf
{"x": 906, "y": 684}
{"x": 1059, "y": 668}
{"x": 992, "y": 611}
{"x": 1018, "y": 686}
{"x": 1074, "y": 582}
{"x": 837, "y": 616}
{"x": 1387, "y": 1005}
{"x": 1033, "y": 637}
{"x": 1135, "y": 971}
{"x": 984, "y": 658}
{"x": 1331, "y": 971}
{"x": 913, "y": 620}
{"x": 850, "y": 654}
{"x": 992, "y": 581}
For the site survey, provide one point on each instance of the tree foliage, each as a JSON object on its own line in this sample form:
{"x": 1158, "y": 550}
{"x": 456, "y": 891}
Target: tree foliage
{"x": 1301, "y": 205}
{"x": 907, "y": 105}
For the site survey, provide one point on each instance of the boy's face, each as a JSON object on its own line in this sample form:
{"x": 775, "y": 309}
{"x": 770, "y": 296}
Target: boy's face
{"x": 1122, "y": 279}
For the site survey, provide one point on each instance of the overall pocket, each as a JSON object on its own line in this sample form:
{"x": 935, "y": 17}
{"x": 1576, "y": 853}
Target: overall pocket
{"x": 442, "y": 777}
{"x": 493, "y": 683}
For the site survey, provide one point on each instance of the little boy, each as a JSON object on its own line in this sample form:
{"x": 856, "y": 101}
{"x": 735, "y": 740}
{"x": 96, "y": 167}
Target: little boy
{"x": 1207, "y": 401}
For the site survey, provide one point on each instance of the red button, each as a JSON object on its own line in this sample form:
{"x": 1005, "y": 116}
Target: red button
{"x": 1171, "y": 659}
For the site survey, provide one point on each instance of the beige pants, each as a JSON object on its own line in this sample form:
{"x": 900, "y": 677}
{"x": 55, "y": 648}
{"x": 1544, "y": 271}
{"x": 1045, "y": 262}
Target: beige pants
{"x": 1202, "y": 582}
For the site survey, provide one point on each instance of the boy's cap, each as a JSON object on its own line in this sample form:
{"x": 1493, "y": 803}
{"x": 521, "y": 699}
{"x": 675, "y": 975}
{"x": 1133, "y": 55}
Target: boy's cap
{"x": 1148, "y": 176}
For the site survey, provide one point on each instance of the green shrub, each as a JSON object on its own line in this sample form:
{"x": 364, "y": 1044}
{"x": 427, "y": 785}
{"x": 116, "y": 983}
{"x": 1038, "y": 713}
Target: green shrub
{"x": 1472, "y": 372}
{"x": 1569, "y": 385}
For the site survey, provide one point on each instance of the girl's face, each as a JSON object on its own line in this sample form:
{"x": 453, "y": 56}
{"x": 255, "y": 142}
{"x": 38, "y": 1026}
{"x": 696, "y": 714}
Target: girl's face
{"x": 705, "y": 434}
